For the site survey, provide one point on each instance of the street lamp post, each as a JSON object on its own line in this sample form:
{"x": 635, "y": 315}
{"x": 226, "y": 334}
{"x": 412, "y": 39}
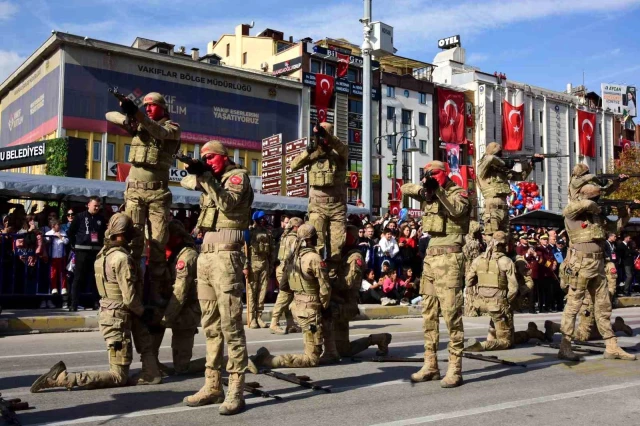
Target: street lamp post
{"x": 366, "y": 107}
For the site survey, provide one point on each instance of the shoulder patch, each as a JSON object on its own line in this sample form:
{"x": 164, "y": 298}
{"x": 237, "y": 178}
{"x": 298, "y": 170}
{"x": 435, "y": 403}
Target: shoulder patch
{"x": 323, "y": 264}
{"x": 235, "y": 179}
{"x": 180, "y": 265}
{"x": 613, "y": 271}
{"x": 464, "y": 194}
{"x": 359, "y": 262}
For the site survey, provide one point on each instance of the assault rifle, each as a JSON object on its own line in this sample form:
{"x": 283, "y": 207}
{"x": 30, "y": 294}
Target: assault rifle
{"x": 119, "y": 96}
{"x": 196, "y": 167}
{"x": 599, "y": 345}
{"x": 8, "y": 409}
{"x": 252, "y": 388}
{"x": 303, "y": 381}
{"x": 606, "y": 205}
{"x": 487, "y": 358}
{"x": 530, "y": 158}
{"x": 614, "y": 176}
{"x": 573, "y": 348}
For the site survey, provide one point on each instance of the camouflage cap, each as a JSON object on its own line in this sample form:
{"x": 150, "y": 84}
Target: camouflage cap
{"x": 499, "y": 237}
{"x": 155, "y": 98}
{"x": 434, "y": 165}
{"x": 293, "y": 222}
{"x": 328, "y": 127}
{"x": 214, "y": 147}
{"x": 493, "y": 148}
{"x": 590, "y": 191}
{"x": 580, "y": 170}
{"x": 306, "y": 231}
{"x": 119, "y": 223}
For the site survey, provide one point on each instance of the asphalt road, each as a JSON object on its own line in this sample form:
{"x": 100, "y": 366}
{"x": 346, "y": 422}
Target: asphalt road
{"x": 548, "y": 392}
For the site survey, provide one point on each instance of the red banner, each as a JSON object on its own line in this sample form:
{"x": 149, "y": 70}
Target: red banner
{"x": 399, "y": 183}
{"x": 122, "y": 171}
{"x": 353, "y": 180}
{"x": 394, "y": 208}
{"x": 324, "y": 92}
{"x": 451, "y": 116}
{"x": 459, "y": 176}
{"x": 343, "y": 65}
{"x": 512, "y": 126}
{"x": 586, "y": 133}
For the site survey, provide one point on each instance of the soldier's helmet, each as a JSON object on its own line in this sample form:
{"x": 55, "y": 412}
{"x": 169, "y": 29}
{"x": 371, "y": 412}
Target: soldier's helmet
{"x": 493, "y": 148}
{"x": 119, "y": 223}
{"x": 306, "y": 231}
{"x": 500, "y": 237}
{"x": 590, "y": 191}
{"x": 155, "y": 98}
{"x": 328, "y": 127}
{"x": 293, "y": 222}
{"x": 214, "y": 147}
{"x": 580, "y": 170}
{"x": 434, "y": 165}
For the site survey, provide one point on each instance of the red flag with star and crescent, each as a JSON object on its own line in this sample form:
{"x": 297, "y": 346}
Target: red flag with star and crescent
{"x": 512, "y": 126}
{"x": 586, "y": 133}
{"x": 343, "y": 65}
{"x": 324, "y": 92}
{"x": 451, "y": 114}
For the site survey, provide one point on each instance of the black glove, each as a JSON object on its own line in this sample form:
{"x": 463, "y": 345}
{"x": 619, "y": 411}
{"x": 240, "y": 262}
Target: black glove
{"x": 128, "y": 107}
{"x": 536, "y": 160}
{"x": 431, "y": 184}
{"x": 509, "y": 162}
{"x": 196, "y": 168}
{"x": 320, "y": 131}
{"x": 147, "y": 315}
{"x": 312, "y": 145}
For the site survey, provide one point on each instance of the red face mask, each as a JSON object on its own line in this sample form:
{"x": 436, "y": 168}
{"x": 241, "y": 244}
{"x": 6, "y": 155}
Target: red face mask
{"x": 440, "y": 176}
{"x": 154, "y": 112}
{"x": 216, "y": 162}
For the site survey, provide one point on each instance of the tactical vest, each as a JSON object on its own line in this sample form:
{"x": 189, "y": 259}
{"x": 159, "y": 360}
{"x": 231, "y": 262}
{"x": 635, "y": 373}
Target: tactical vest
{"x": 286, "y": 244}
{"x": 436, "y": 220}
{"x": 260, "y": 242}
{"x": 207, "y": 212}
{"x": 490, "y": 275}
{"x": 496, "y": 184}
{"x": 212, "y": 218}
{"x": 298, "y": 282}
{"x": 324, "y": 172}
{"x": 107, "y": 290}
{"x": 588, "y": 230}
{"x": 148, "y": 151}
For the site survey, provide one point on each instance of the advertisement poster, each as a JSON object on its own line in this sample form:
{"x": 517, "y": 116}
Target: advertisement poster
{"x": 620, "y": 99}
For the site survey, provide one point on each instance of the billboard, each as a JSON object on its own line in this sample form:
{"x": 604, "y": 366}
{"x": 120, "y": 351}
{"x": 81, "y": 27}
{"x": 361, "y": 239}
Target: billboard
{"x": 238, "y": 111}
{"x": 620, "y": 99}
{"x": 30, "y": 110}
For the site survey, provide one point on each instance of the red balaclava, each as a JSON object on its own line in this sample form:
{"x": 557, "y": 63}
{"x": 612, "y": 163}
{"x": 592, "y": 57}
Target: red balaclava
{"x": 155, "y": 112}
{"x": 216, "y": 162}
{"x": 439, "y": 176}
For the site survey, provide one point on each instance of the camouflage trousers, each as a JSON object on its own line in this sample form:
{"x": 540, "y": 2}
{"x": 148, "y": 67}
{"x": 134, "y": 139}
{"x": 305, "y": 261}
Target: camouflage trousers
{"x": 495, "y": 215}
{"x": 336, "y": 330}
{"x": 284, "y": 299}
{"x": 258, "y": 283}
{"x": 329, "y": 219}
{"x": 587, "y": 329}
{"x": 441, "y": 289}
{"x": 501, "y": 321}
{"x": 306, "y": 309}
{"x": 150, "y": 207}
{"x": 220, "y": 285}
{"x": 584, "y": 276}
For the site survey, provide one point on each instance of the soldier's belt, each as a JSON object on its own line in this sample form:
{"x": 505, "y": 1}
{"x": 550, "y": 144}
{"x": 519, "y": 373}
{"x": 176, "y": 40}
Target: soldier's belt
{"x": 437, "y": 251}
{"x": 324, "y": 200}
{"x": 84, "y": 247}
{"x": 581, "y": 255}
{"x": 306, "y": 298}
{"x": 214, "y": 248}
{"x": 147, "y": 185}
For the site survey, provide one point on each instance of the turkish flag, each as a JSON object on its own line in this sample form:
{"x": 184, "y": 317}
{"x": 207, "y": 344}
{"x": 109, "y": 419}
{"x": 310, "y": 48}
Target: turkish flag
{"x": 343, "y": 65}
{"x": 586, "y": 133}
{"x": 459, "y": 176}
{"x": 399, "y": 183}
{"x": 512, "y": 126}
{"x": 451, "y": 115}
{"x": 122, "y": 171}
{"x": 324, "y": 92}
{"x": 394, "y": 207}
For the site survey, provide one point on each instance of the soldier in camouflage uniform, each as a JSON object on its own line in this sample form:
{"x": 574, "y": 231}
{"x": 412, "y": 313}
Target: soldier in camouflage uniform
{"x": 494, "y": 175}
{"x": 121, "y": 316}
{"x": 328, "y": 196}
{"x": 147, "y": 196}
{"x": 344, "y": 308}
{"x": 445, "y": 208}
{"x": 584, "y": 270}
{"x": 310, "y": 283}
{"x": 285, "y": 295}
{"x": 471, "y": 249}
{"x": 221, "y": 265}
{"x": 260, "y": 255}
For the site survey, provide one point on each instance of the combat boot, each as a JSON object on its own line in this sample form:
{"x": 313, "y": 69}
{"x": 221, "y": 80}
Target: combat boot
{"x": 550, "y": 328}
{"x": 474, "y": 346}
{"x": 56, "y": 377}
{"x": 254, "y": 323}
{"x": 330, "y": 353}
{"x": 534, "y": 333}
{"x": 491, "y": 334}
{"x": 262, "y": 358}
{"x": 210, "y": 393}
{"x": 150, "y": 373}
{"x": 275, "y": 328}
{"x": 234, "y": 402}
{"x": 619, "y": 325}
{"x": 453, "y": 378}
{"x": 294, "y": 329}
{"x": 382, "y": 340}
{"x": 429, "y": 370}
{"x": 614, "y": 351}
{"x": 565, "y": 351}
{"x": 261, "y": 323}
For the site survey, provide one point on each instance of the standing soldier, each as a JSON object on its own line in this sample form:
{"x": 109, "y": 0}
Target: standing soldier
{"x": 121, "y": 315}
{"x": 260, "y": 261}
{"x": 344, "y": 308}
{"x": 147, "y": 196}
{"x": 327, "y": 161}
{"x": 445, "y": 208}
{"x": 471, "y": 249}
{"x": 221, "y": 265}
{"x": 586, "y": 226}
{"x": 285, "y": 295}
{"x": 494, "y": 175}
{"x": 312, "y": 292}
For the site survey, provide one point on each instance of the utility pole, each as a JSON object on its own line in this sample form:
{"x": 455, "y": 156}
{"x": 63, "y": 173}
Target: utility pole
{"x": 366, "y": 108}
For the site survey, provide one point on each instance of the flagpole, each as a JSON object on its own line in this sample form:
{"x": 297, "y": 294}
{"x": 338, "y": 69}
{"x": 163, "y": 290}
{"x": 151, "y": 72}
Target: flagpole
{"x": 366, "y": 109}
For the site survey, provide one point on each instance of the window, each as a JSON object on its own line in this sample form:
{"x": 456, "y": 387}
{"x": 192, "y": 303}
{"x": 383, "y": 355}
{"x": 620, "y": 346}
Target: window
{"x": 244, "y": 58}
{"x": 541, "y": 141}
{"x": 423, "y": 98}
{"x": 542, "y": 166}
{"x": 97, "y": 150}
{"x": 422, "y": 119}
{"x": 600, "y": 127}
{"x": 355, "y": 106}
{"x": 254, "y": 167}
{"x": 600, "y": 150}
{"x": 494, "y": 132}
{"x": 574, "y": 123}
{"x": 493, "y": 105}
{"x": 541, "y": 116}
{"x": 406, "y": 116}
{"x": 127, "y": 148}
{"x": 352, "y": 75}
{"x": 355, "y": 165}
{"x": 228, "y": 49}
{"x": 111, "y": 152}
{"x": 391, "y": 141}
{"x": 330, "y": 69}
{"x": 391, "y": 113}
{"x": 241, "y": 161}
{"x": 391, "y": 92}
{"x": 316, "y": 66}
{"x": 423, "y": 146}
{"x": 533, "y": 114}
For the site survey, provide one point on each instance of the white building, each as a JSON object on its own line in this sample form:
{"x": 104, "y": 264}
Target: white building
{"x": 550, "y": 123}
